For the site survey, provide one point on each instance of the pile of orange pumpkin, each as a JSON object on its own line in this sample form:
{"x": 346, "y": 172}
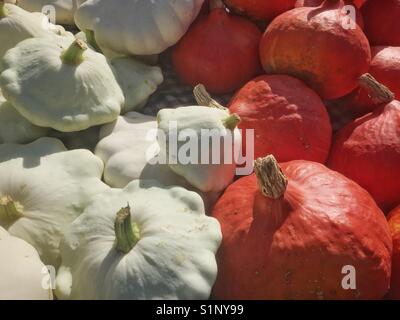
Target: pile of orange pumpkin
{"x": 289, "y": 228}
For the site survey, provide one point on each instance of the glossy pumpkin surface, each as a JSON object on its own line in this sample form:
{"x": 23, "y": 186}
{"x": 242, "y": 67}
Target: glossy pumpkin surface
{"x": 220, "y": 51}
{"x": 289, "y": 119}
{"x": 381, "y": 19}
{"x": 295, "y": 247}
{"x": 367, "y": 151}
{"x": 385, "y": 68}
{"x": 333, "y": 67}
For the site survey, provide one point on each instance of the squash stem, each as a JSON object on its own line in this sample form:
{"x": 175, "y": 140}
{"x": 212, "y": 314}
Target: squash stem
{"x": 10, "y": 210}
{"x": 271, "y": 180}
{"x": 376, "y": 91}
{"x": 203, "y": 98}
{"x": 92, "y": 40}
{"x": 232, "y": 121}
{"x": 3, "y": 10}
{"x": 126, "y": 233}
{"x": 74, "y": 54}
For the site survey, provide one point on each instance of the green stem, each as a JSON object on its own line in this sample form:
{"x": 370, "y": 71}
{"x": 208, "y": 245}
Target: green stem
{"x": 91, "y": 39}
{"x": 271, "y": 180}
{"x": 10, "y": 210}
{"x": 126, "y": 233}
{"x": 74, "y": 54}
{"x": 232, "y": 121}
{"x": 3, "y": 10}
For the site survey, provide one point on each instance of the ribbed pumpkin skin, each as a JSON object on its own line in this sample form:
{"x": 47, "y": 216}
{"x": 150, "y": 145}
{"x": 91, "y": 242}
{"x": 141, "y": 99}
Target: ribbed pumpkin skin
{"x": 385, "y": 68}
{"x": 381, "y": 19}
{"x": 296, "y": 247}
{"x": 289, "y": 119}
{"x": 260, "y": 9}
{"x": 220, "y": 51}
{"x": 367, "y": 151}
{"x": 394, "y": 226}
{"x": 331, "y": 68}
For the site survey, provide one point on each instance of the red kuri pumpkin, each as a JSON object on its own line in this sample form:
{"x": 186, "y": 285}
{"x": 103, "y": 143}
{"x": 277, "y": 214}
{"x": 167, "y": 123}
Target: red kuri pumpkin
{"x": 367, "y": 151}
{"x": 288, "y": 118}
{"x": 291, "y": 234}
{"x": 220, "y": 51}
{"x": 385, "y": 68}
{"x": 382, "y": 22}
{"x": 312, "y": 44}
{"x": 394, "y": 226}
{"x": 260, "y": 9}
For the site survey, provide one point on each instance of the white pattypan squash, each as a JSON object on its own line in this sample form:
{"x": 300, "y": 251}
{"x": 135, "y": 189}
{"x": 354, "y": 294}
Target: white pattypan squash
{"x": 22, "y": 274}
{"x": 137, "y": 27}
{"x": 63, "y": 10}
{"x": 88, "y": 37}
{"x": 125, "y": 147}
{"x": 162, "y": 246}
{"x": 14, "y": 128}
{"x": 202, "y": 165}
{"x": 16, "y": 25}
{"x": 43, "y": 188}
{"x": 62, "y": 84}
{"x": 137, "y": 80}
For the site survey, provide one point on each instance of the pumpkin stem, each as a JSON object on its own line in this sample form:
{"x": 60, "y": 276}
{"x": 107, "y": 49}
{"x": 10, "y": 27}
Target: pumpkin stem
{"x": 271, "y": 180}
{"x": 232, "y": 121}
{"x": 92, "y": 40}
{"x": 203, "y": 98}
{"x": 126, "y": 233}
{"x": 10, "y": 210}
{"x": 74, "y": 54}
{"x": 3, "y": 10}
{"x": 376, "y": 91}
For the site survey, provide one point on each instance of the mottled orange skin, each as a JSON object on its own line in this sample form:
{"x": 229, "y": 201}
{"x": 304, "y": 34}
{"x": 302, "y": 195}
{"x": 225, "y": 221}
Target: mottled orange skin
{"x": 385, "y": 68}
{"x": 260, "y": 9}
{"x": 295, "y": 247}
{"x": 394, "y": 226}
{"x": 367, "y": 151}
{"x": 220, "y": 51}
{"x": 289, "y": 119}
{"x": 382, "y": 22}
{"x": 312, "y": 44}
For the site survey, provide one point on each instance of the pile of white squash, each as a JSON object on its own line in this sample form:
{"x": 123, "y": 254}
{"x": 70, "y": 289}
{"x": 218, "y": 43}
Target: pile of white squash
{"x": 111, "y": 224}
